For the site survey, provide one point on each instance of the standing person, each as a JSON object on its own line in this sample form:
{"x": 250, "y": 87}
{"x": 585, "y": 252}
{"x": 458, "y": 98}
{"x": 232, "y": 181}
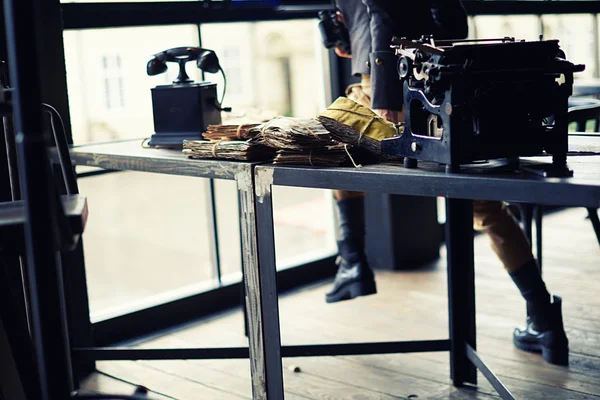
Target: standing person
{"x": 371, "y": 25}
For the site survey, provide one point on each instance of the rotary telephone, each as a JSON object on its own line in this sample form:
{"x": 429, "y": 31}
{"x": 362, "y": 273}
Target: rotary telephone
{"x": 183, "y": 109}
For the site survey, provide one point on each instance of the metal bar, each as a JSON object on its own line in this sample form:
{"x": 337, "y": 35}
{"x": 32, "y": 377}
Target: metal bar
{"x": 120, "y": 354}
{"x": 353, "y": 349}
{"x": 526, "y": 219}
{"x": 53, "y": 73}
{"x": 516, "y": 7}
{"x": 271, "y": 353}
{"x": 103, "y": 15}
{"x": 11, "y": 155}
{"x": 489, "y": 375}
{"x": 335, "y": 349}
{"x": 593, "y": 214}
{"x": 253, "y": 284}
{"x": 461, "y": 288}
{"x": 111, "y": 15}
{"x": 428, "y": 181}
{"x": 96, "y": 173}
{"x": 538, "y": 214}
{"x": 242, "y": 287}
{"x": 61, "y": 141}
{"x": 213, "y": 226}
{"x": 43, "y": 267}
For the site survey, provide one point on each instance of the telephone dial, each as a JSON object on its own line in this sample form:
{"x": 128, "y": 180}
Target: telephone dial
{"x": 183, "y": 109}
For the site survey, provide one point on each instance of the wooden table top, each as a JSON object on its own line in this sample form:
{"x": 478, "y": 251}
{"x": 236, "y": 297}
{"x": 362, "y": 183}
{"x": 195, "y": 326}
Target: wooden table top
{"x": 130, "y": 155}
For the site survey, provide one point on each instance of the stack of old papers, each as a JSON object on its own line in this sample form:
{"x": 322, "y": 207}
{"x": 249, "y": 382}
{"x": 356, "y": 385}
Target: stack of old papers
{"x": 229, "y": 132}
{"x": 242, "y": 150}
{"x": 302, "y": 141}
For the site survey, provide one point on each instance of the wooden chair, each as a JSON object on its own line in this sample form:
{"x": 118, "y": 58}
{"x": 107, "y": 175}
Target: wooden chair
{"x": 70, "y": 217}
{"x": 582, "y": 111}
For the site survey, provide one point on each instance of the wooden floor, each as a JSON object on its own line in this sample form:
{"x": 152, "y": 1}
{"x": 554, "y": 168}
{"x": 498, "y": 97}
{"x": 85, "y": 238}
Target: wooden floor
{"x": 409, "y": 305}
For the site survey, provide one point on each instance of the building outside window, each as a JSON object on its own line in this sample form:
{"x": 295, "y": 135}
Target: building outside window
{"x": 113, "y": 82}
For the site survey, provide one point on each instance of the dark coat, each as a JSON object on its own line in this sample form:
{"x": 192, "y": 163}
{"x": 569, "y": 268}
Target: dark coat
{"x": 373, "y": 23}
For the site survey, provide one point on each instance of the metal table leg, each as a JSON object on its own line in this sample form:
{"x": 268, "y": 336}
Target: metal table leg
{"x": 538, "y": 214}
{"x": 244, "y": 181}
{"x": 268, "y": 284}
{"x": 461, "y": 289}
{"x": 261, "y": 289}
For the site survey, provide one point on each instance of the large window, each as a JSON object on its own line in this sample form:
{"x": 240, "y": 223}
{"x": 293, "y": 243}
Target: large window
{"x": 149, "y": 237}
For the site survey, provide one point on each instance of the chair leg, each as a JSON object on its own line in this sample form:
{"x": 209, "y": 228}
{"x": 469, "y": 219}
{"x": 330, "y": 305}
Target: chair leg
{"x": 593, "y": 214}
{"x": 538, "y": 213}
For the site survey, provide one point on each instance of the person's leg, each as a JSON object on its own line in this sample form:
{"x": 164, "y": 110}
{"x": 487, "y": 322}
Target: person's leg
{"x": 354, "y": 277}
{"x": 544, "y": 331}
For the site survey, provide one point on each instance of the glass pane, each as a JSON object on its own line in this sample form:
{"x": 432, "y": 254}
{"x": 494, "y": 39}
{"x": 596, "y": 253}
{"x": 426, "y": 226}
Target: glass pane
{"x": 518, "y": 26}
{"x": 228, "y": 217}
{"x": 147, "y": 235}
{"x": 273, "y": 68}
{"x": 304, "y": 225}
{"x": 109, "y": 90}
{"x": 576, "y": 35}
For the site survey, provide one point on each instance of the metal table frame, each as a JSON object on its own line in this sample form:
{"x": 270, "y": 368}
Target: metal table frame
{"x": 130, "y": 156}
{"x": 428, "y": 180}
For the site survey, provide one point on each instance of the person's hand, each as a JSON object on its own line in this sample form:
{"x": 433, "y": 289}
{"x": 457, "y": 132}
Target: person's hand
{"x": 390, "y": 115}
{"x": 339, "y": 51}
{"x": 342, "y": 53}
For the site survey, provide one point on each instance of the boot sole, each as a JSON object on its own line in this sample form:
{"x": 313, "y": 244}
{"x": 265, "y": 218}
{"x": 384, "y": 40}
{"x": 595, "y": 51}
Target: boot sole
{"x": 352, "y": 291}
{"x": 552, "y": 356}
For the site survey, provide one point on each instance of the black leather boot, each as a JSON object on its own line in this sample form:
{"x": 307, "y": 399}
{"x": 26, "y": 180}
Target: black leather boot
{"x": 544, "y": 332}
{"x": 354, "y": 276}
{"x": 351, "y": 280}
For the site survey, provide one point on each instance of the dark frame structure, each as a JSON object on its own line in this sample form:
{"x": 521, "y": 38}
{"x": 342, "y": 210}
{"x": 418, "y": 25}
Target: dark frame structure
{"x": 50, "y": 86}
{"x": 105, "y": 15}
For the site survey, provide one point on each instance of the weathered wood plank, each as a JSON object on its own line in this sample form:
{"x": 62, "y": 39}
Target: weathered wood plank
{"x": 130, "y": 155}
{"x": 252, "y": 287}
{"x": 413, "y": 305}
{"x": 161, "y": 382}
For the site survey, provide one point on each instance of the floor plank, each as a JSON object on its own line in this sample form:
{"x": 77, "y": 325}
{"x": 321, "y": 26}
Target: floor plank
{"x": 101, "y": 383}
{"x": 410, "y": 305}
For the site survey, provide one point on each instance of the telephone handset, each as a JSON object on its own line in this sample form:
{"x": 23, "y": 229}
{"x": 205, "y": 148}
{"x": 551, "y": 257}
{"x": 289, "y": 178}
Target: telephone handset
{"x": 206, "y": 60}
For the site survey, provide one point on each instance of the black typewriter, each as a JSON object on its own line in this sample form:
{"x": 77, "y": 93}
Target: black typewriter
{"x": 467, "y": 101}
